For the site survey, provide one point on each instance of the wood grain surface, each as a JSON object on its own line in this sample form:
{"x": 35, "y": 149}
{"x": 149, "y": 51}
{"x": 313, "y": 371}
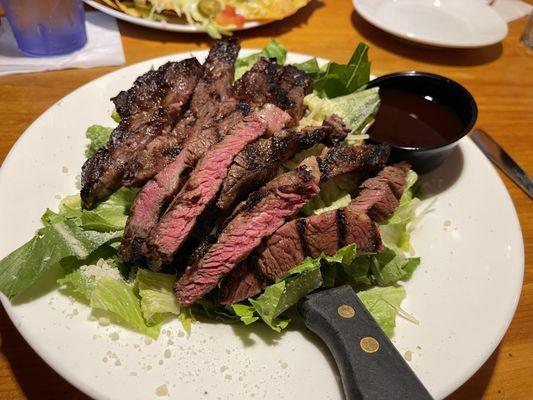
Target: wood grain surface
{"x": 500, "y": 78}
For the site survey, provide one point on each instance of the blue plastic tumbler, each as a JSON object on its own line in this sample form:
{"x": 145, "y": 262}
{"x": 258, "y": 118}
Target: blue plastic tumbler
{"x": 46, "y": 27}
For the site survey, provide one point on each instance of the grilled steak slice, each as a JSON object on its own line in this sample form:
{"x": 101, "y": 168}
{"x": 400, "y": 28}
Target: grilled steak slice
{"x": 269, "y": 82}
{"x": 210, "y": 102}
{"x": 266, "y": 210}
{"x": 168, "y": 86}
{"x": 309, "y": 237}
{"x": 340, "y": 160}
{"x": 259, "y": 161}
{"x": 203, "y": 185}
{"x": 242, "y": 282}
{"x": 379, "y": 196}
{"x": 102, "y": 174}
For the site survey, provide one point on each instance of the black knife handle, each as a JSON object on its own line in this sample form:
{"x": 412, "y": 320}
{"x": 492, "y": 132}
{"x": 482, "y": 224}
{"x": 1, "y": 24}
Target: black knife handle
{"x": 370, "y": 366}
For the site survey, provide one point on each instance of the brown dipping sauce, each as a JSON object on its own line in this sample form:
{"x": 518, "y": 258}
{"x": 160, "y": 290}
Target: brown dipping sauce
{"x": 407, "y": 119}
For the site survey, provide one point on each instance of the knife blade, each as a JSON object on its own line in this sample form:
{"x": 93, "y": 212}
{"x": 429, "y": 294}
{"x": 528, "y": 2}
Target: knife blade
{"x": 498, "y": 156}
{"x": 370, "y": 366}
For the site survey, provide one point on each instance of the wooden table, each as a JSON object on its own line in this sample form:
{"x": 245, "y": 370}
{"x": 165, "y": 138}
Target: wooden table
{"x": 500, "y": 77}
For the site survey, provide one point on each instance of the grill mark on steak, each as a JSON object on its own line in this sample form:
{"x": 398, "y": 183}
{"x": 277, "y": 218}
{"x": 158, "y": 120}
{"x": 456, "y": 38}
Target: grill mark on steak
{"x": 380, "y": 196}
{"x": 340, "y": 216}
{"x": 259, "y": 161}
{"x": 102, "y": 173}
{"x": 300, "y": 228}
{"x": 199, "y": 192}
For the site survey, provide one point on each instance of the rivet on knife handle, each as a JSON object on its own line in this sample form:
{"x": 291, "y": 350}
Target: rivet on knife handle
{"x": 370, "y": 366}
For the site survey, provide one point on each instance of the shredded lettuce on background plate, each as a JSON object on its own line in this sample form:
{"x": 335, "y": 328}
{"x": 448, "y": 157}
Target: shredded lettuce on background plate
{"x": 84, "y": 242}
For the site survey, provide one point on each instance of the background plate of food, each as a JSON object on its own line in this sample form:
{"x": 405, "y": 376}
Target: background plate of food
{"x": 215, "y": 17}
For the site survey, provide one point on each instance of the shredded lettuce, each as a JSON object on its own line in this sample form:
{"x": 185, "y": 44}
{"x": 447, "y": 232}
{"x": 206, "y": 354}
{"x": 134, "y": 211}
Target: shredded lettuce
{"x": 98, "y": 135}
{"x": 394, "y": 232}
{"x": 272, "y": 50}
{"x": 383, "y": 303}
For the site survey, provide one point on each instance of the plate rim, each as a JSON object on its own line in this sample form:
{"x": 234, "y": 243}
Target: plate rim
{"x": 71, "y": 377}
{"x": 431, "y": 42}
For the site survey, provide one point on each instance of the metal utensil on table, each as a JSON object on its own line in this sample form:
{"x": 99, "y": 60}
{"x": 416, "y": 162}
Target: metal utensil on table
{"x": 370, "y": 366}
{"x": 498, "y": 156}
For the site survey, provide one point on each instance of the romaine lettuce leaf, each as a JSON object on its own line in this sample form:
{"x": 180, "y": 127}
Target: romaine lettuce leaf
{"x": 110, "y": 215}
{"x": 20, "y": 269}
{"x": 384, "y": 305}
{"x": 158, "y": 300}
{"x": 119, "y": 298}
{"x": 98, "y": 135}
{"x": 78, "y": 285}
{"x": 355, "y": 109}
{"x": 333, "y": 194}
{"x": 272, "y": 50}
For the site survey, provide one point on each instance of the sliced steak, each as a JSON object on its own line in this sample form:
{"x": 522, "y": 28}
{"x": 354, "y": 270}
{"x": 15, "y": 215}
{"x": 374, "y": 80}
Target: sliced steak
{"x": 269, "y": 82}
{"x": 309, "y": 237}
{"x": 203, "y": 185}
{"x": 211, "y": 102}
{"x": 340, "y": 160}
{"x": 265, "y": 211}
{"x": 102, "y": 174}
{"x": 260, "y": 216}
{"x": 379, "y": 196}
{"x": 259, "y": 161}
{"x": 242, "y": 282}
{"x": 168, "y": 86}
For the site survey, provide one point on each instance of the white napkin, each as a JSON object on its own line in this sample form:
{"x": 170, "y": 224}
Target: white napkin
{"x": 510, "y": 10}
{"x": 104, "y": 47}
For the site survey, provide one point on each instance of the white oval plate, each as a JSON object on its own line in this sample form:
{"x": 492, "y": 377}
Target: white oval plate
{"x": 464, "y": 293}
{"x": 444, "y": 23}
{"x": 163, "y": 25}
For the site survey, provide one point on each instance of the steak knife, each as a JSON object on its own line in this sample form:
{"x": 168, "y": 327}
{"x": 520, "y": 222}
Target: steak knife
{"x": 370, "y": 366}
{"x": 498, "y": 156}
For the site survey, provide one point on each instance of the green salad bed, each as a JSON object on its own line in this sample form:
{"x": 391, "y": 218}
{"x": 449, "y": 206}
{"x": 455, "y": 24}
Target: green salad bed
{"x": 84, "y": 242}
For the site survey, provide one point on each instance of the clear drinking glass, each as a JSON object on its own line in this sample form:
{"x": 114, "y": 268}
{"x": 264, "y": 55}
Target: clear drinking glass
{"x": 527, "y": 36}
{"x": 46, "y": 27}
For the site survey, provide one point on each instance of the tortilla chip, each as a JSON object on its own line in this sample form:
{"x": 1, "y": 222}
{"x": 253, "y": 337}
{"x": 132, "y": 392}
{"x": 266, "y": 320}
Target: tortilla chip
{"x": 266, "y": 9}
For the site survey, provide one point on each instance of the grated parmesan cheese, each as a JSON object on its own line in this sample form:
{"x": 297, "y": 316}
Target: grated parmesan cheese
{"x": 100, "y": 270}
